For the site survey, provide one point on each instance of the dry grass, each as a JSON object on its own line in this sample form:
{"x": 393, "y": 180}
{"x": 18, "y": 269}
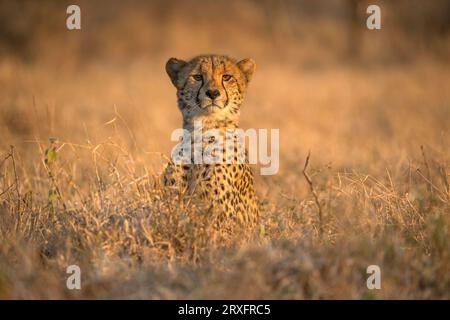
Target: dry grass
{"x": 98, "y": 205}
{"x": 379, "y": 176}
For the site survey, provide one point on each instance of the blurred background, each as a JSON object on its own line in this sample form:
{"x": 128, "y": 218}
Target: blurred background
{"x": 353, "y": 96}
{"x": 306, "y": 33}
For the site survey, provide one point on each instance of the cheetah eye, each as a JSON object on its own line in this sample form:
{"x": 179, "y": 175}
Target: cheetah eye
{"x": 197, "y": 77}
{"x": 226, "y": 77}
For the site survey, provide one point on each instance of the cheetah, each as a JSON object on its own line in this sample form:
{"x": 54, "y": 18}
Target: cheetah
{"x": 210, "y": 90}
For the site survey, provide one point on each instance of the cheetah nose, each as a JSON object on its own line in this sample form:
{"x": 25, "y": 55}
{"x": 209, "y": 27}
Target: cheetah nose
{"x": 213, "y": 93}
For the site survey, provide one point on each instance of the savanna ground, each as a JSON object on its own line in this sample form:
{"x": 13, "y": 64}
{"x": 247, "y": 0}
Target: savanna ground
{"x": 85, "y": 124}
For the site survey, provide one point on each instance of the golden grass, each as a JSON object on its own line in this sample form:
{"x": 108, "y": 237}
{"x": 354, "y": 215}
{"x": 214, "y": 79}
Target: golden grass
{"x": 98, "y": 205}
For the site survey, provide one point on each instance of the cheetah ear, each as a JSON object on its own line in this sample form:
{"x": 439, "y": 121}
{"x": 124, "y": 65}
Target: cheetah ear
{"x": 173, "y": 67}
{"x": 248, "y": 67}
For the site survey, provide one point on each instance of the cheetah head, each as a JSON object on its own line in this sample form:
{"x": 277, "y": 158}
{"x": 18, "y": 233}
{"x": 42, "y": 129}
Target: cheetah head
{"x": 210, "y": 86}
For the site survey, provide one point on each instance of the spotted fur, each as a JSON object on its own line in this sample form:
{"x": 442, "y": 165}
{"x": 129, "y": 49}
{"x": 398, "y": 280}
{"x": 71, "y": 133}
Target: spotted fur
{"x": 210, "y": 89}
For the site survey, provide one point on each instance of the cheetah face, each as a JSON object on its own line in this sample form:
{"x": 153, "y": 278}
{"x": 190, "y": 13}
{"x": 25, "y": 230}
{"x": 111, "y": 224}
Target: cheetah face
{"x": 210, "y": 85}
